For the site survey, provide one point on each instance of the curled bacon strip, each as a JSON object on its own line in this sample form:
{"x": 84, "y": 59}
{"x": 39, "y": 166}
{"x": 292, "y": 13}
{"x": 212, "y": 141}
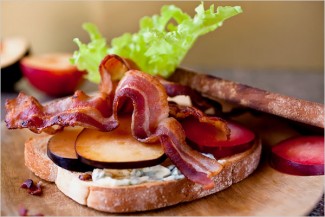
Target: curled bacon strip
{"x": 150, "y": 122}
{"x": 149, "y": 102}
{"x": 150, "y": 117}
{"x": 77, "y": 110}
{"x": 111, "y": 68}
{"x": 195, "y": 166}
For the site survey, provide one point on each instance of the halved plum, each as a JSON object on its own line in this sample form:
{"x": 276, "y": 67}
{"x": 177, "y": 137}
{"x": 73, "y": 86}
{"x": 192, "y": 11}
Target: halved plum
{"x": 61, "y": 150}
{"x": 302, "y": 155}
{"x": 203, "y": 139}
{"x": 117, "y": 149}
{"x": 52, "y": 73}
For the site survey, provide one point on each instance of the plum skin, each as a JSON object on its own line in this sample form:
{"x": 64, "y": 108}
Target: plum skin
{"x": 121, "y": 165}
{"x": 72, "y": 164}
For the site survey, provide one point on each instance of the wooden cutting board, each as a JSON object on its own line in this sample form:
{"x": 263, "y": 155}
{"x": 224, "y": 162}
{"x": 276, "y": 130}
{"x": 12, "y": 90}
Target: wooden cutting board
{"x": 265, "y": 192}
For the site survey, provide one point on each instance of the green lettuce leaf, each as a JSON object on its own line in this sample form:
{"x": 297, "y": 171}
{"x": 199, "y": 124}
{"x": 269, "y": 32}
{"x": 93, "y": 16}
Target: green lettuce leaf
{"x": 89, "y": 56}
{"x": 160, "y": 44}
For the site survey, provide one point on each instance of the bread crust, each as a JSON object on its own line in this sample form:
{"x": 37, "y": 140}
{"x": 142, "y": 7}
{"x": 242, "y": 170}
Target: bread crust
{"x": 141, "y": 197}
{"x": 36, "y": 158}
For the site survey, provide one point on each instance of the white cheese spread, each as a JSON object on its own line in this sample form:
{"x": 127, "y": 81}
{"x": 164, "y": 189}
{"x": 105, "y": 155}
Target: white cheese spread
{"x": 110, "y": 177}
{"x": 115, "y": 177}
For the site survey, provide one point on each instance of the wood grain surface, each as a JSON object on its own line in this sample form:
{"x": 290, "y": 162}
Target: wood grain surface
{"x": 265, "y": 192}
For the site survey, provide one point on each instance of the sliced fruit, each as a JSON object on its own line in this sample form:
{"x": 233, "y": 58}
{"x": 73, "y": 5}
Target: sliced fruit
{"x": 203, "y": 139}
{"x": 117, "y": 149}
{"x": 60, "y": 149}
{"x": 303, "y": 155}
{"x": 12, "y": 50}
{"x": 52, "y": 73}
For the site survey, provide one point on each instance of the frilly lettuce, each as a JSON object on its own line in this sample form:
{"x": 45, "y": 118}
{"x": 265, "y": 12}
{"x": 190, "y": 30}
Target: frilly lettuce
{"x": 160, "y": 44}
{"x": 89, "y": 56}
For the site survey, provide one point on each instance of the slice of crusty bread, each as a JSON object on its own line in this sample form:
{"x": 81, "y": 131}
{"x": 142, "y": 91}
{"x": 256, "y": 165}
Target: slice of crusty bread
{"x": 139, "y": 197}
{"x": 307, "y": 112}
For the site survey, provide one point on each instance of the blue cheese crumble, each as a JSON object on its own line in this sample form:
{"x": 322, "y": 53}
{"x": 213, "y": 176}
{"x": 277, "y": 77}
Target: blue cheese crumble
{"x": 116, "y": 177}
{"x": 110, "y": 177}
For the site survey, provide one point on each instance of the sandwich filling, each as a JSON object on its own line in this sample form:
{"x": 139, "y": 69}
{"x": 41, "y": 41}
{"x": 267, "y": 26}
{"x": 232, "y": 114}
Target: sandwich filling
{"x": 144, "y": 97}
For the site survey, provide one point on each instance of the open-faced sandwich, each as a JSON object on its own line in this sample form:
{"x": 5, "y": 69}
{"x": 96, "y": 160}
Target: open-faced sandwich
{"x": 129, "y": 146}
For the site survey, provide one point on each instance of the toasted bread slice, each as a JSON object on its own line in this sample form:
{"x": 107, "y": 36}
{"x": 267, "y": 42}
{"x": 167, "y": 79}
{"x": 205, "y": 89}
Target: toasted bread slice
{"x": 303, "y": 111}
{"x": 141, "y": 197}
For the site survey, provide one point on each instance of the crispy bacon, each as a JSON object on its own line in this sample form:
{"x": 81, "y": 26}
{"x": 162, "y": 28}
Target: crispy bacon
{"x": 32, "y": 188}
{"x": 112, "y": 68}
{"x": 195, "y": 166}
{"x": 150, "y": 117}
{"x": 150, "y": 105}
{"x": 77, "y": 110}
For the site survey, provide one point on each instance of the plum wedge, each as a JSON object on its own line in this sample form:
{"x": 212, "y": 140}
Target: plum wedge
{"x": 61, "y": 150}
{"x": 303, "y": 155}
{"x": 117, "y": 149}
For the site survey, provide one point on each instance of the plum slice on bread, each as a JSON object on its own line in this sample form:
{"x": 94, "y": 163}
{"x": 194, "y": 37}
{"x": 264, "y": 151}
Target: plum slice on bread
{"x": 117, "y": 149}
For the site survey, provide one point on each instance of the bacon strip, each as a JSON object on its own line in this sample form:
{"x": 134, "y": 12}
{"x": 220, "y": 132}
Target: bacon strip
{"x": 77, "y": 110}
{"x": 195, "y": 166}
{"x": 150, "y": 122}
{"x": 112, "y": 68}
{"x": 149, "y": 102}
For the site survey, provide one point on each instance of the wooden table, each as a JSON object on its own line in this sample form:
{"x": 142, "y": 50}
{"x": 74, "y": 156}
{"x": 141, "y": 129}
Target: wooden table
{"x": 266, "y": 192}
